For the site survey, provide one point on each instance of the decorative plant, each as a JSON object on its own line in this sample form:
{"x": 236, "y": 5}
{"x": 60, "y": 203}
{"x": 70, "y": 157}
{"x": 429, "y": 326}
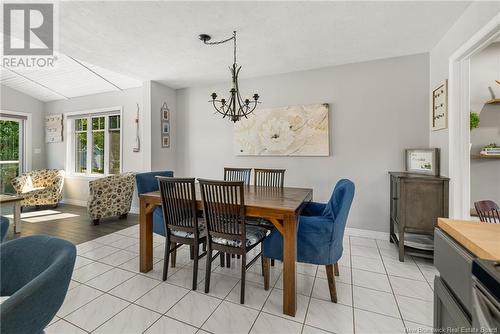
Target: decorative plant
{"x": 492, "y": 145}
{"x": 474, "y": 120}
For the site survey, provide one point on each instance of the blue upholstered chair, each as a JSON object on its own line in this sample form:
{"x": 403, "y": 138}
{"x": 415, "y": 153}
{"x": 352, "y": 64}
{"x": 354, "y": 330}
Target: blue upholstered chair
{"x": 4, "y": 227}
{"x": 320, "y": 233}
{"x": 147, "y": 182}
{"x": 36, "y": 272}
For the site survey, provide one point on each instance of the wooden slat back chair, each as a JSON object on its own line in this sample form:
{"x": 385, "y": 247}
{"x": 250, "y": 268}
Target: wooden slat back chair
{"x": 237, "y": 174}
{"x": 224, "y": 212}
{"x": 182, "y": 226}
{"x": 488, "y": 211}
{"x": 269, "y": 177}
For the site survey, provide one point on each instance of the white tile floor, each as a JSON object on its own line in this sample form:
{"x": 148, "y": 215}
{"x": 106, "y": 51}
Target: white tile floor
{"x": 376, "y": 294}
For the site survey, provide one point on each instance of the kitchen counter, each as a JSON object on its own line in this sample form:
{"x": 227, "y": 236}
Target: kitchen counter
{"x": 480, "y": 239}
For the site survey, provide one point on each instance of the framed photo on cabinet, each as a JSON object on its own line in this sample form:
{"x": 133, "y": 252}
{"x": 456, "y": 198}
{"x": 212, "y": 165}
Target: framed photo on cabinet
{"x": 422, "y": 161}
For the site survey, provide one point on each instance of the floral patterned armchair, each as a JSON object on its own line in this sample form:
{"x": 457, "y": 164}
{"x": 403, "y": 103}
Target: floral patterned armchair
{"x": 40, "y": 187}
{"x": 110, "y": 196}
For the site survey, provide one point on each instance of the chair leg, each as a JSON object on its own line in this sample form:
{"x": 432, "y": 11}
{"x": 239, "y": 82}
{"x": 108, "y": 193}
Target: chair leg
{"x": 208, "y": 268}
{"x": 272, "y": 262}
{"x": 243, "y": 272}
{"x": 222, "y": 257}
{"x": 165, "y": 259}
{"x": 195, "y": 266}
{"x": 191, "y": 252}
{"x": 265, "y": 271}
{"x": 173, "y": 259}
{"x": 331, "y": 282}
{"x": 336, "y": 269}
{"x": 228, "y": 260}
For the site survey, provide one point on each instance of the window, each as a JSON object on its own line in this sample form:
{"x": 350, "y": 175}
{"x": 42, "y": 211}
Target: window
{"x": 11, "y": 150}
{"x": 96, "y": 144}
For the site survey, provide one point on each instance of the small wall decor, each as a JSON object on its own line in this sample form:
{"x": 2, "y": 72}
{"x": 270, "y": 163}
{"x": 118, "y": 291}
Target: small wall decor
{"x": 137, "y": 146}
{"x": 286, "y": 131}
{"x": 54, "y": 128}
{"x": 165, "y": 125}
{"x": 422, "y": 160}
{"x": 440, "y": 107}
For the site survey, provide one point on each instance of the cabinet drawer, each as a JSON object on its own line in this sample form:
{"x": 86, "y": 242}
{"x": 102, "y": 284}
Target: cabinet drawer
{"x": 448, "y": 313}
{"x": 454, "y": 264}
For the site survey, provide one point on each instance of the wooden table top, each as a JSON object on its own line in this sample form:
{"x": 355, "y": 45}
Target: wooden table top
{"x": 287, "y": 199}
{"x": 481, "y": 239}
{"x": 10, "y": 198}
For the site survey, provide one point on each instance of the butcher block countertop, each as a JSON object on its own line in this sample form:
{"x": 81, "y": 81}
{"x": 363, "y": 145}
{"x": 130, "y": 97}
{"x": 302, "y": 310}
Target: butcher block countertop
{"x": 481, "y": 239}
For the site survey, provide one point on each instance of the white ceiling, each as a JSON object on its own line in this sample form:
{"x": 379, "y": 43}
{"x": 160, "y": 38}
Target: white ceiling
{"x": 69, "y": 78}
{"x": 159, "y": 40}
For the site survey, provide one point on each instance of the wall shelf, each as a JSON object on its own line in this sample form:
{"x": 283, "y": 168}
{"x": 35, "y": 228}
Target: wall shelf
{"x": 494, "y": 101}
{"x": 486, "y": 157}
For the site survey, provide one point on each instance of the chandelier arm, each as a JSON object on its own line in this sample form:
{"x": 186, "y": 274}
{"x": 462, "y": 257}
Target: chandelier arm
{"x": 217, "y": 109}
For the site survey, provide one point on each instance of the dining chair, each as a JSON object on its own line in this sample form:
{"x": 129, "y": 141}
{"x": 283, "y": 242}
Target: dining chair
{"x": 227, "y": 232}
{"x": 181, "y": 222}
{"x": 146, "y": 182}
{"x": 237, "y": 174}
{"x": 488, "y": 211}
{"x": 320, "y": 233}
{"x": 36, "y": 273}
{"x": 266, "y": 177}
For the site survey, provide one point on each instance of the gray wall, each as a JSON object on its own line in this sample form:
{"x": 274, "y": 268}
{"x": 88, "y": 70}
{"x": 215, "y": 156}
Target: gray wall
{"x": 485, "y": 174}
{"x": 162, "y": 158}
{"x": 13, "y": 100}
{"x": 377, "y": 109}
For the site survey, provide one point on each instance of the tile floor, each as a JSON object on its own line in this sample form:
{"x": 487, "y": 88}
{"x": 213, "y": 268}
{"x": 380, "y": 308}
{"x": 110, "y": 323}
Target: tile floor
{"x": 376, "y": 292}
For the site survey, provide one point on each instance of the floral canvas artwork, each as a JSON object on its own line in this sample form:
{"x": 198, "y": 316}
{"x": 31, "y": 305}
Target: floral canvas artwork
{"x": 289, "y": 131}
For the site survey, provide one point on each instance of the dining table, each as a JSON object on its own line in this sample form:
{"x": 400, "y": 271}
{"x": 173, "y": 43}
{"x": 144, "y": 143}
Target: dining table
{"x": 281, "y": 206}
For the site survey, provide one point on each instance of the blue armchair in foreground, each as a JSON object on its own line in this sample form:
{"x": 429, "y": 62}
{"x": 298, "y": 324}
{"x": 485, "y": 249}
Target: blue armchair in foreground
{"x": 4, "y": 227}
{"x": 320, "y": 233}
{"x": 147, "y": 182}
{"x": 36, "y": 272}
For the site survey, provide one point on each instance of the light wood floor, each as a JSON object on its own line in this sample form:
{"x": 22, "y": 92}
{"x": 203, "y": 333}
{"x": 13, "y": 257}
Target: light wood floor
{"x": 68, "y": 222}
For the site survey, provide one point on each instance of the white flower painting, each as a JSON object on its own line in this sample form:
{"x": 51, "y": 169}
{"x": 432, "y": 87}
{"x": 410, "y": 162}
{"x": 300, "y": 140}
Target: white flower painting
{"x": 289, "y": 131}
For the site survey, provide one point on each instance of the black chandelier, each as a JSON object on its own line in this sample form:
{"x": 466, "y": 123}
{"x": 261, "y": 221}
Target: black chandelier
{"x": 236, "y": 107}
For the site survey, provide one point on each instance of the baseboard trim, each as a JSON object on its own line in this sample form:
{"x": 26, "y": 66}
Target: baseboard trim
{"x": 357, "y": 232}
{"x": 72, "y": 201}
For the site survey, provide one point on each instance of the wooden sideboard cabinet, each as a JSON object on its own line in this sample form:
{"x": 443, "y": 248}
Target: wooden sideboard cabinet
{"x": 417, "y": 201}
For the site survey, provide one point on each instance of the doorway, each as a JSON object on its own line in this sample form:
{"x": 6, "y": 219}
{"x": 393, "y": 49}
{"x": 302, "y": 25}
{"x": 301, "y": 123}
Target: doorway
{"x": 459, "y": 138}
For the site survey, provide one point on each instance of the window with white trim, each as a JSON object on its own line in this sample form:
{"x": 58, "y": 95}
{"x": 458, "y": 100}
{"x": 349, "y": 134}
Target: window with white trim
{"x": 95, "y": 146}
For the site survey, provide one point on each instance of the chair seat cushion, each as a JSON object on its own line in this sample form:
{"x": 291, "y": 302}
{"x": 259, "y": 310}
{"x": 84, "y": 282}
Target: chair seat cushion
{"x": 185, "y": 234}
{"x": 255, "y": 234}
{"x": 262, "y": 222}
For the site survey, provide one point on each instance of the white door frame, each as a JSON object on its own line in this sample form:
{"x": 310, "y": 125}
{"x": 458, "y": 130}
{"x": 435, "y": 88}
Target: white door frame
{"x": 458, "y": 117}
{"x": 27, "y": 134}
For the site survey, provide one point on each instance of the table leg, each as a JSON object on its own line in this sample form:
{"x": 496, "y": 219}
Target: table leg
{"x": 17, "y": 218}
{"x": 146, "y": 237}
{"x": 289, "y": 258}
